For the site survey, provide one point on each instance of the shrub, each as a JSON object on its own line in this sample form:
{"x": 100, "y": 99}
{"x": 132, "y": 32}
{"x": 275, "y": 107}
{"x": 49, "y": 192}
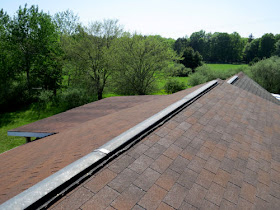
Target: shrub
{"x": 44, "y": 98}
{"x": 204, "y": 74}
{"x": 267, "y": 74}
{"x": 73, "y": 97}
{"x": 178, "y": 70}
{"x": 173, "y": 86}
{"x": 196, "y": 79}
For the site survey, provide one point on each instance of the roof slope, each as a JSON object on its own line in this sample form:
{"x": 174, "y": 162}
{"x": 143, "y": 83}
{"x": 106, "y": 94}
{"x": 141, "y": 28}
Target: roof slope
{"x": 26, "y": 165}
{"x": 245, "y": 83}
{"x": 222, "y": 151}
{"x": 81, "y": 114}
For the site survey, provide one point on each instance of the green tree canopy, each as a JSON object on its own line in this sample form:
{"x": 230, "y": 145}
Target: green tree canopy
{"x": 267, "y": 45}
{"x": 92, "y": 53}
{"x": 191, "y": 59}
{"x": 139, "y": 59}
{"x": 67, "y": 22}
{"x": 251, "y": 50}
{"x": 180, "y": 45}
{"x": 237, "y": 46}
{"x": 37, "y": 48}
{"x": 277, "y": 48}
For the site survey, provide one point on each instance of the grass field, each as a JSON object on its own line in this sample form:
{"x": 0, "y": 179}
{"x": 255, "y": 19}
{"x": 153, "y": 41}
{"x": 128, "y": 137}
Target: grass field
{"x": 225, "y": 67}
{"x": 22, "y": 117}
{"x": 224, "y": 71}
{"x": 10, "y": 120}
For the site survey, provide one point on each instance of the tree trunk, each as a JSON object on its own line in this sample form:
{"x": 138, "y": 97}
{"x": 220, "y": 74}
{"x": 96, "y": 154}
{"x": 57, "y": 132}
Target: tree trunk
{"x": 99, "y": 94}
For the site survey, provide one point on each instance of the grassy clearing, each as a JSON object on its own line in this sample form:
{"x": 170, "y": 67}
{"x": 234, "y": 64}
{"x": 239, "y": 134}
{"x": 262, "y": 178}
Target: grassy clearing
{"x": 10, "y": 120}
{"x": 224, "y": 71}
{"x": 225, "y": 67}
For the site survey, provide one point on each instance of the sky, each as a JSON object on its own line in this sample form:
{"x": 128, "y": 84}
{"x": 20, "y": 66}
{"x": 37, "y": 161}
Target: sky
{"x": 170, "y": 18}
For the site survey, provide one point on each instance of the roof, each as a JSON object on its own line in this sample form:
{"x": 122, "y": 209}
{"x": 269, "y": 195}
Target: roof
{"x": 76, "y": 116}
{"x": 245, "y": 83}
{"x": 30, "y": 163}
{"x": 221, "y": 151}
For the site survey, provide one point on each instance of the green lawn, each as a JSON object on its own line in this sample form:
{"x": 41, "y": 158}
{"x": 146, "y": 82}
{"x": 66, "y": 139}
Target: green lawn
{"x": 10, "y": 120}
{"x": 225, "y": 67}
{"x": 224, "y": 71}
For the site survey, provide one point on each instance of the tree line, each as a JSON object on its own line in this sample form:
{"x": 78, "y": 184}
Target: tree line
{"x": 55, "y": 58}
{"x": 230, "y": 48}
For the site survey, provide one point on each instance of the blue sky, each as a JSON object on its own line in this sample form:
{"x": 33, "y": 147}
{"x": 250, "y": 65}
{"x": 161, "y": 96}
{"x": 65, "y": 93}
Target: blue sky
{"x": 170, "y": 18}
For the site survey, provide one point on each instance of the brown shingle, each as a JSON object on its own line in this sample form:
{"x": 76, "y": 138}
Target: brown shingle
{"x": 196, "y": 195}
{"x": 248, "y": 192}
{"x": 167, "y": 179}
{"x": 215, "y": 194}
{"x": 100, "y": 180}
{"x": 147, "y": 179}
{"x": 205, "y": 178}
{"x": 175, "y": 196}
{"x": 128, "y": 198}
{"x": 153, "y": 197}
{"x": 232, "y": 193}
{"x": 102, "y": 199}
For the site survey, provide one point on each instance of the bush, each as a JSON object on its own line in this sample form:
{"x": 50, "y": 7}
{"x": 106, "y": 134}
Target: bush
{"x": 267, "y": 74}
{"x": 197, "y": 79}
{"x": 173, "y": 86}
{"x": 73, "y": 97}
{"x": 178, "y": 70}
{"x": 44, "y": 98}
{"x": 204, "y": 74}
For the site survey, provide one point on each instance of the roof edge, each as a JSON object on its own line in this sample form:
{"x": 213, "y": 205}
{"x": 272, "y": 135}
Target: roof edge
{"x": 29, "y": 134}
{"x": 38, "y": 195}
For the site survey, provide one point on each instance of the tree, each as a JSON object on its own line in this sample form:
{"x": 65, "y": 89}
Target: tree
{"x": 139, "y": 60}
{"x": 200, "y": 41}
{"x": 237, "y": 46}
{"x": 221, "y": 47}
{"x": 267, "y": 45}
{"x": 37, "y": 48}
{"x": 92, "y": 53}
{"x": 67, "y": 22}
{"x": 7, "y": 73}
{"x": 191, "y": 59}
{"x": 180, "y": 45}
{"x": 251, "y": 50}
{"x": 277, "y": 48}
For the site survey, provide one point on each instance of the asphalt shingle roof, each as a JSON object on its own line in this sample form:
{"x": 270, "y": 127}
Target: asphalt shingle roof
{"x": 91, "y": 111}
{"x": 26, "y": 165}
{"x": 221, "y": 152}
{"x": 246, "y": 83}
